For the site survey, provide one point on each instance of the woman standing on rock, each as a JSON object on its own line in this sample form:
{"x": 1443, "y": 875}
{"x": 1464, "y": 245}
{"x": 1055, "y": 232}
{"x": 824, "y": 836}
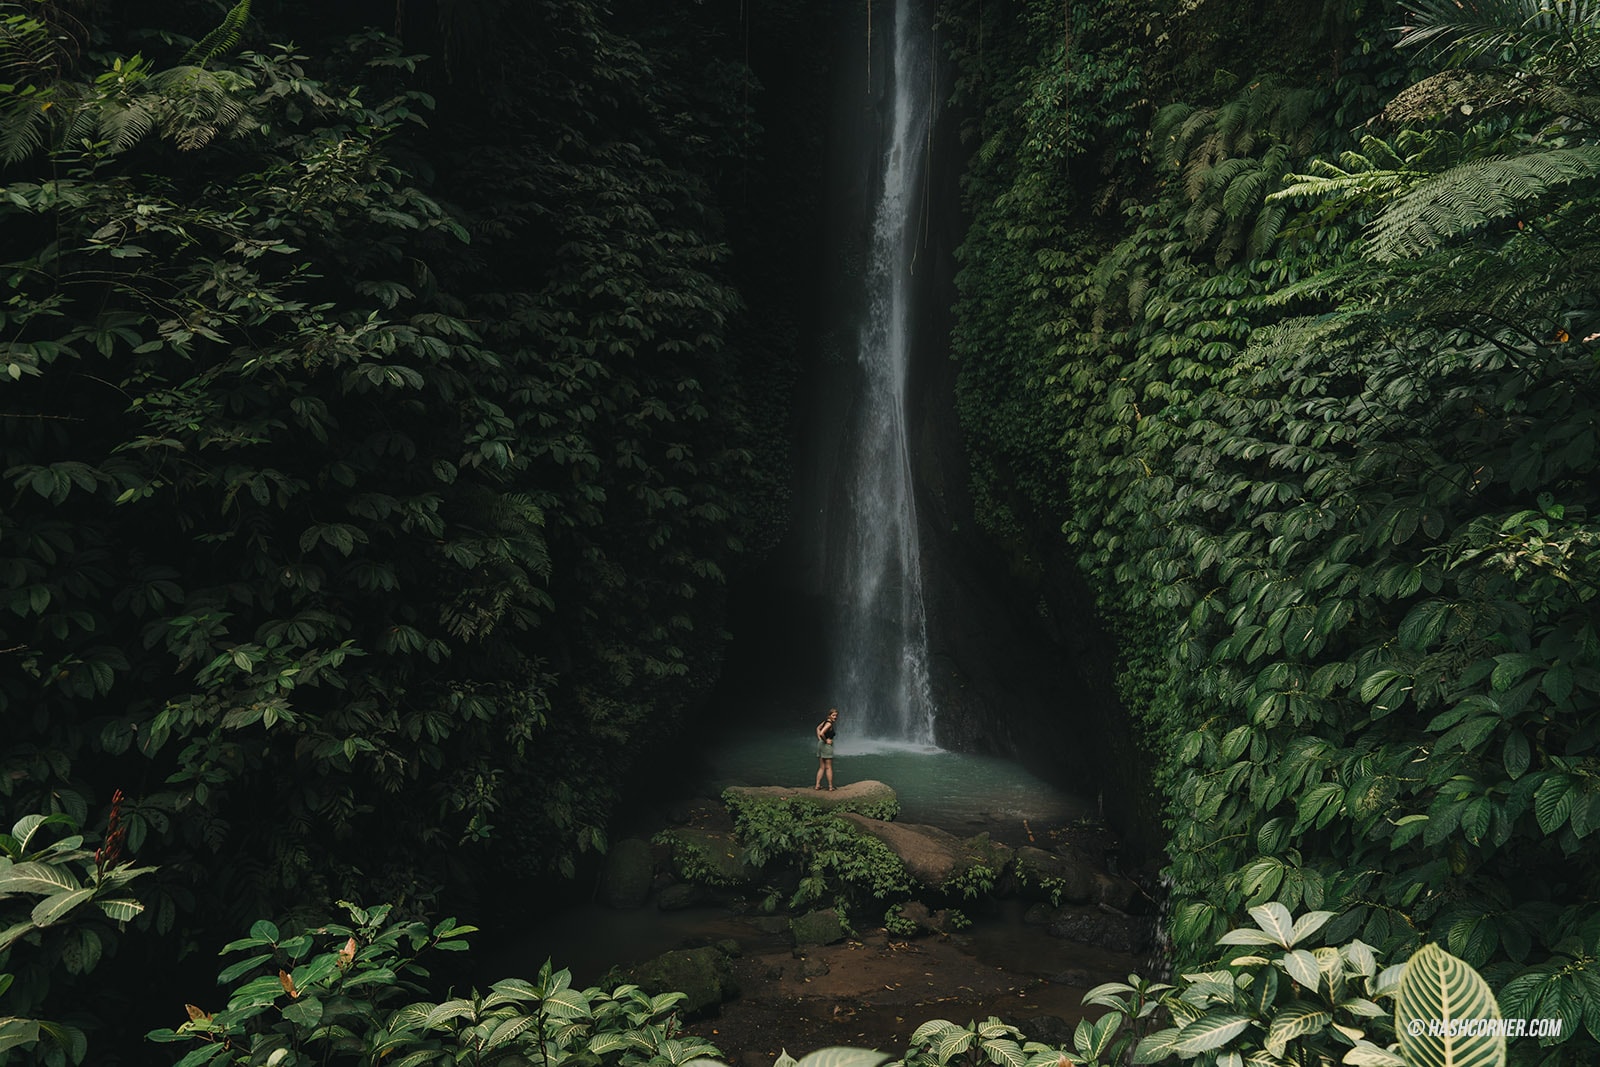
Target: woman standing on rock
{"x": 825, "y": 731}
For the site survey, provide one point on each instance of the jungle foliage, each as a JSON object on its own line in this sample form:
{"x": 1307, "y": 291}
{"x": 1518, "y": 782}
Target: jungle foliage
{"x": 1297, "y": 349}
{"x": 375, "y": 443}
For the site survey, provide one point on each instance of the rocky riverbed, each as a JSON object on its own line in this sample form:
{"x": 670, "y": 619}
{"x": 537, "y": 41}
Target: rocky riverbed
{"x": 1058, "y": 920}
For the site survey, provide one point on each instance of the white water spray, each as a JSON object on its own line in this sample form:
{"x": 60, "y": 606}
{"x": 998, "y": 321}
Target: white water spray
{"x": 881, "y": 658}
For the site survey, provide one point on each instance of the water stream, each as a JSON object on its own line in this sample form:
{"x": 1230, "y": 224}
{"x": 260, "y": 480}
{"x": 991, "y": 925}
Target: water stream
{"x": 880, "y": 658}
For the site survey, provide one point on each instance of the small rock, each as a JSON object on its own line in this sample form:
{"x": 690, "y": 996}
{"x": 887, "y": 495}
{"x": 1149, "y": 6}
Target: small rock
{"x": 1076, "y": 977}
{"x": 678, "y": 896}
{"x": 812, "y": 968}
{"x": 1050, "y": 1030}
{"x": 937, "y": 922}
{"x": 817, "y": 928}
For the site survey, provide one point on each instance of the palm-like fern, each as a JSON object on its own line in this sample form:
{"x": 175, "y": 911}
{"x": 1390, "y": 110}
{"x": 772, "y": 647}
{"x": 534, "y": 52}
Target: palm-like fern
{"x": 189, "y": 106}
{"x": 29, "y": 60}
{"x": 1471, "y": 28}
{"x": 220, "y": 40}
{"x": 1428, "y": 187}
{"x": 1231, "y": 158}
{"x": 1473, "y": 194}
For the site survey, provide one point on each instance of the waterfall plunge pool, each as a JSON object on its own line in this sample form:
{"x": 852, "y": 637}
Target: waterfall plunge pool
{"x": 959, "y": 792}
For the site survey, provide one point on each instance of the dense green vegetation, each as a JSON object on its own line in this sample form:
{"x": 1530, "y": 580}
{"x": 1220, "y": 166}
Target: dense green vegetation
{"x": 378, "y": 429}
{"x": 376, "y": 437}
{"x": 1297, "y": 347}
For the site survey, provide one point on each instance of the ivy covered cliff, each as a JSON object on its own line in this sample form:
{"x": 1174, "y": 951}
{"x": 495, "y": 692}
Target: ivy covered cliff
{"x": 1281, "y": 323}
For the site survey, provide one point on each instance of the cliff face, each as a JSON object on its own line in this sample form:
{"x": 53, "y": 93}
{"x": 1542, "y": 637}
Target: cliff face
{"x": 1020, "y": 666}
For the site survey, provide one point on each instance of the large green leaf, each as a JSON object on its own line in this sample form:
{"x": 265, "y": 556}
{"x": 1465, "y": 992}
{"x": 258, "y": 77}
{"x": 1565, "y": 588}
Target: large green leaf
{"x": 1295, "y": 1020}
{"x": 1157, "y": 1047}
{"x": 1004, "y": 1052}
{"x": 35, "y": 878}
{"x": 52, "y": 908}
{"x": 29, "y": 825}
{"x": 1275, "y": 921}
{"x": 1439, "y": 997}
{"x": 16, "y": 930}
{"x": 15, "y": 1033}
{"x": 122, "y": 909}
{"x": 1302, "y": 967}
{"x": 1209, "y": 1032}
{"x": 1366, "y": 1054}
{"x": 845, "y": 1058}
{"x": 567, "y": 1003}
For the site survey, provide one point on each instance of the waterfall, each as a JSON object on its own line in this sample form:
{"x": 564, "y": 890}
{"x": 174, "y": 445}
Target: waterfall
{"x": 881, "y": 641}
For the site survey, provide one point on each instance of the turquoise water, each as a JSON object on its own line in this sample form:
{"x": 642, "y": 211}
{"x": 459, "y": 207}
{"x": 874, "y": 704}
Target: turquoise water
{"x": 954, "y": 790}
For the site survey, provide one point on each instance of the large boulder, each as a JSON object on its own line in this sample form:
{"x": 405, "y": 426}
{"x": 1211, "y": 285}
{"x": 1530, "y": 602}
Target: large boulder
{"x": 1068, "y": 876}
{"x": 703, "y": 975}
{"x": 679, "y": 896}
{"x": 932, "y": 856}
{"x": 628, "y": 874}
{"x": 1054, "y": 877}
{"x": 871, "y": 798}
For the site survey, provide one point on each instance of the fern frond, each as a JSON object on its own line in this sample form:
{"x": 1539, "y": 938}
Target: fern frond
{"x": 1216, "y": 181}
{"x": 30, "y": 57}
{"x": 29, "y": 53}
{"x": 199, "y": 104}
{"x": 1166, "y": 124}
{"x": 1235, "y": 124}
{"x": 220, "y": 40}
{"x": 1265, "y": 231}
{"x": 1344, "y": 185}
{"x": 1246, "y": 190}
{"x": 1472, "y": 194}
{"x": 1472, "y": 28}
{"x": 123, "y": 125}
{"x": 23, "y": 122}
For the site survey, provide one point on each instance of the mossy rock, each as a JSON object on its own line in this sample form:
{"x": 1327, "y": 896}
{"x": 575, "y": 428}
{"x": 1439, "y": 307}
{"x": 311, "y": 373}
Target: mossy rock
{"x": 708, "y": 857}
{"x": 703, "y": 975}
{"x": 870, "y": 798}
{"x": 980, "y": 868}
{"x": 1060, "y": 879}
{"x": 817, "y": 928}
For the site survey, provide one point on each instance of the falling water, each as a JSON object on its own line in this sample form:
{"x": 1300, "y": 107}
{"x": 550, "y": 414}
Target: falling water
{"x": 881, "y": 660}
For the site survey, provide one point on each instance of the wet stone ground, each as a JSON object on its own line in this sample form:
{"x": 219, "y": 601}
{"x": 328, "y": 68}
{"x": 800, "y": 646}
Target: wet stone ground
{"x": 874, "y": 991}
